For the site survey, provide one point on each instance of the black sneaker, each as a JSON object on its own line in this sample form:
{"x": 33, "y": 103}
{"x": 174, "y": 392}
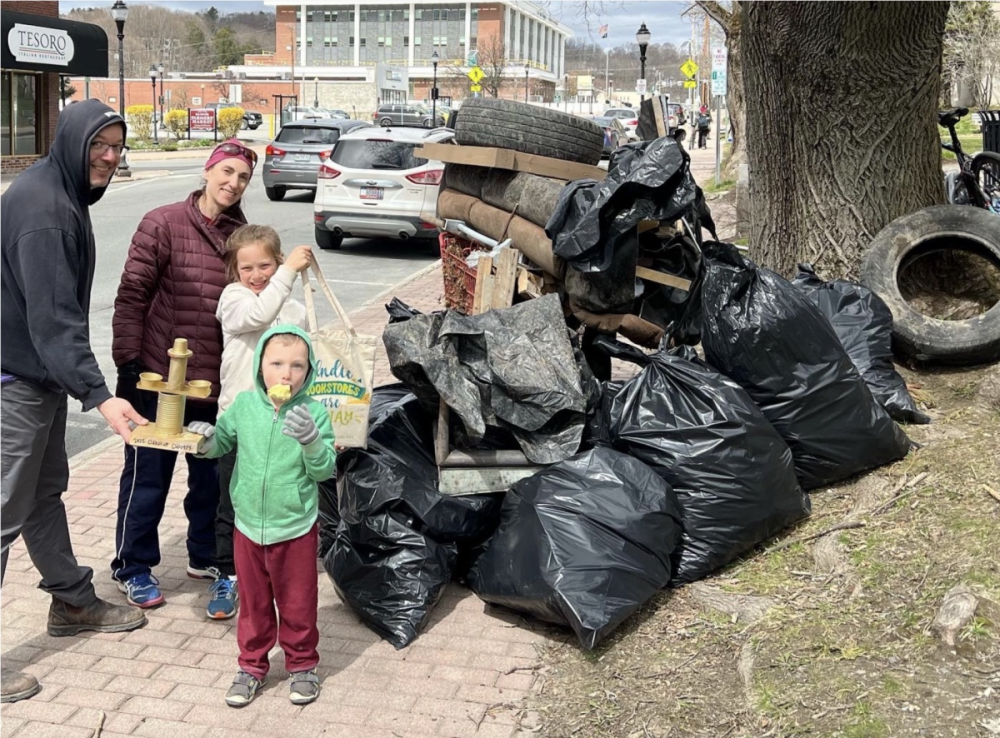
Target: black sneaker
{"x": 244, "y": 689}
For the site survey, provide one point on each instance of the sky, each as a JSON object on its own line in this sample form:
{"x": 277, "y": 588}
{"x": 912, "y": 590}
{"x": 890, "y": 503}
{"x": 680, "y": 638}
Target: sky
{"x": 662, "y": 17}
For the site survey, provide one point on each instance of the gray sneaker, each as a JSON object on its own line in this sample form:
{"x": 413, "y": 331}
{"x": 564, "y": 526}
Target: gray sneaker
{"x": 16, "y": 685}
{"x": 244, "y": 689}
{"x": 304, "y": 687}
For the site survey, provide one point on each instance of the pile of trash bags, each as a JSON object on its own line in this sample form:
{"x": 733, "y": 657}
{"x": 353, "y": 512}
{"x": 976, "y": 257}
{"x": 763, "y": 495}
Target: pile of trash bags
{"x": 655, "y": 481}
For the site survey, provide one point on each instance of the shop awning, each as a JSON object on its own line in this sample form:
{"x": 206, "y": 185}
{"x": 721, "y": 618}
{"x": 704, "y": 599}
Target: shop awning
{"x": 37, "y": 43}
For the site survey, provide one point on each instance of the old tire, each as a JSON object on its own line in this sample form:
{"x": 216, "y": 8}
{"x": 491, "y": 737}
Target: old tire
{"x": 275, "y": 193}
{"x": 328, "y": 241}
{"x": 507, "y": 124}
{"x": 938, "y": 228}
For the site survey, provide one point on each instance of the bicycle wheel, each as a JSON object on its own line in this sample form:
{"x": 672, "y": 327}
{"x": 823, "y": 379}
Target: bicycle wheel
{"x": 986, "y": 169}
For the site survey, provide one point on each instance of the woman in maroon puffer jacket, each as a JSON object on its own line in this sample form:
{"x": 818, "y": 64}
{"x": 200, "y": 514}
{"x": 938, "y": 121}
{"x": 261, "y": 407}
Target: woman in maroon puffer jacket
{"x": 170, "y": 289}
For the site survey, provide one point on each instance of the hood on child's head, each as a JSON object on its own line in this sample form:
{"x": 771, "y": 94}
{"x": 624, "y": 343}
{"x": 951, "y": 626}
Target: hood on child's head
{"x": 258, "y": 356}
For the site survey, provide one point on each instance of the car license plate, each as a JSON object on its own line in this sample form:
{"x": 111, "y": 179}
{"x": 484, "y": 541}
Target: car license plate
{"x": 372, "y": 193}
{"x": 302, "y": 157}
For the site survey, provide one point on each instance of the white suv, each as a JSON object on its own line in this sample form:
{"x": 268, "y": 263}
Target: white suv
{"x": 373, "y": 186}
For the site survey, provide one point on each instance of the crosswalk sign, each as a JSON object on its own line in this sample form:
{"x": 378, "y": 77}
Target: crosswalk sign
{"x": 475, "y": 88}
{"x": 476, "y": 75}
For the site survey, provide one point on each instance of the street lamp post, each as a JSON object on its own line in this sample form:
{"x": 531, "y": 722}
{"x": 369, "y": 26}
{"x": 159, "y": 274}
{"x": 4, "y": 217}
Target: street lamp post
{"x": 152, "y": 81}
{"x": 527, "y": 68}
{"x": 159, "y": 68}
{"x": 434, "y": 89}
{"x": 316, "y": 92}
{"x": 119, "y": 12}
{"x": 642, "y": 37}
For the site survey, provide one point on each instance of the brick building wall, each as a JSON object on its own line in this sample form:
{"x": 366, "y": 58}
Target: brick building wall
{"x": 47, "y": 92}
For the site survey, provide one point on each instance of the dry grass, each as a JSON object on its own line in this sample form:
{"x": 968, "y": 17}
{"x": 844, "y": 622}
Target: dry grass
{"x": 844, "y": 645}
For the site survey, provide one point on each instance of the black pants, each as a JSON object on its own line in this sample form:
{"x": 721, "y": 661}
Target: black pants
{"x": 225, "y": 517}
{"x": 702, "y": 137}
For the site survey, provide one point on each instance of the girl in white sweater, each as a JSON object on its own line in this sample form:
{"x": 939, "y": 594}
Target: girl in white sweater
{"x": 257, "y": 298}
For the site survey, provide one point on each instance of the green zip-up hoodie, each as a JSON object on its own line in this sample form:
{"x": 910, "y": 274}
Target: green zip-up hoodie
{"x": 274, "y": 487}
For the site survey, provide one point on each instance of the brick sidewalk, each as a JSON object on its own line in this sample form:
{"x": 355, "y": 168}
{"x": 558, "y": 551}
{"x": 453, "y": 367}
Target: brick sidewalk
{"x": 169, "y": 679}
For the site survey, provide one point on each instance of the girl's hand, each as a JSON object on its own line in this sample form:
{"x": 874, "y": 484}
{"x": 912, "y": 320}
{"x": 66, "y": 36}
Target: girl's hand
{"x": 300, "y": 258}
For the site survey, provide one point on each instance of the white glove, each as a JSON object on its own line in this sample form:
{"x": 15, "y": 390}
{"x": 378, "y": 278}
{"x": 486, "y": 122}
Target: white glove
{"x": 299, "y": 424}
{"x": 203, "y": 429}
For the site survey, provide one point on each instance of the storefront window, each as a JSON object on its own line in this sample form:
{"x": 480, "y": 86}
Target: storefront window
{"x": 19, "y": 135}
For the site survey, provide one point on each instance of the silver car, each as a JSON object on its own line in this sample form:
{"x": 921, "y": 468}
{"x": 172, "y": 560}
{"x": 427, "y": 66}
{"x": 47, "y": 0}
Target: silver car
{"x": 293, "y": 158}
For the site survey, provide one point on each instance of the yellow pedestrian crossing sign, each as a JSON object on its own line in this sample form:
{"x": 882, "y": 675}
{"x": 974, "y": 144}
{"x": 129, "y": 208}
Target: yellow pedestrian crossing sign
{"x": 689, "y": 68}
{"x": 690, "y": 84}
{"x": 475, "y": 88}
{"x": 476, "y": 75}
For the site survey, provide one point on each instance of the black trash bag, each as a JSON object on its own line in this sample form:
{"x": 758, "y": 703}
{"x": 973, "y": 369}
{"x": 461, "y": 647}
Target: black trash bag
{"x": 398, "y": 541}
{"x": 399, "y": 311}
{"x": 329, "y": 514}
{"x": 863, "y": 323}
{"x": 732, "y": 473}
{"x": 513, "y": 368}
{"x": 770, "y": 339}
{"x": 648, "y": 180}
{"x": 583, "y": 543}
{"x": 677, "y": 311}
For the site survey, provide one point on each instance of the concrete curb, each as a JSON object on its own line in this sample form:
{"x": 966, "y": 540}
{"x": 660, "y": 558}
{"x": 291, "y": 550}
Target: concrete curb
{"x": 396, "y": 287}
{"x": 85, "y": 457}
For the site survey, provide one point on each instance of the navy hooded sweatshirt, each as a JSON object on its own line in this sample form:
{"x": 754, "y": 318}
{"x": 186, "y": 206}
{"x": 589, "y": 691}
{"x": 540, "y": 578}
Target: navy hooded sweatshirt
{"x": 48, "y": 252}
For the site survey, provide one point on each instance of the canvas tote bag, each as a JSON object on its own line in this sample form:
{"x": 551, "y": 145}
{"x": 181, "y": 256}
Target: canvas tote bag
{"x": 345, "y": 368}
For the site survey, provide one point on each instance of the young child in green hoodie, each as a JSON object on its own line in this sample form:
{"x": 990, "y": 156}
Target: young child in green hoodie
{"x": 284, "y": 443}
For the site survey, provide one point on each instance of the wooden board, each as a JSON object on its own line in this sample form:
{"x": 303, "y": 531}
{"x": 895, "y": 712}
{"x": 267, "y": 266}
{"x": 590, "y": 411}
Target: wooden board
{"x": 662, "y": 278}
{"x": 483, "y": 299}
{"x": 506, "y": 277}
{"x": 494, "y": 158}
{"x": 529, "y": 286}
{"x": 145, "y": 436}
{"x": 658, "y": 104}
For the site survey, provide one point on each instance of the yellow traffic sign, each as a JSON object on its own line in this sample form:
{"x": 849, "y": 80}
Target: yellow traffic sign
{"x": 689, "y": 68}
{"x": 475, "y": 88}
{"x": 476, "y": 75}
{"x": 690, "y": 83}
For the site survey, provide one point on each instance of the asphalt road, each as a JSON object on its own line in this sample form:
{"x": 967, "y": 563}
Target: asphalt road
{"x": 360, "y": 271}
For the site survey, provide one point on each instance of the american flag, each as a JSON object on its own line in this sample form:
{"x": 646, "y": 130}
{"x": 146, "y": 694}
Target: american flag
{"x": 603, "y": 30}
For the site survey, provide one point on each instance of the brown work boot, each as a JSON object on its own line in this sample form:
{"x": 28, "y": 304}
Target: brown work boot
{"x": 66, "y": 620}
{"x": 15, "y": 685}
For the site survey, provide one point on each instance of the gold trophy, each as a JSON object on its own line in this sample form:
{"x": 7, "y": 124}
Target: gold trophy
{"x": 167, "y": 432}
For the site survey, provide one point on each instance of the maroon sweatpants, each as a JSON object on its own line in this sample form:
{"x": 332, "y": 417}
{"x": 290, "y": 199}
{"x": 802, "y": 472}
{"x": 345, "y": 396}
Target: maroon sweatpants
{"x": 282, "y": 574}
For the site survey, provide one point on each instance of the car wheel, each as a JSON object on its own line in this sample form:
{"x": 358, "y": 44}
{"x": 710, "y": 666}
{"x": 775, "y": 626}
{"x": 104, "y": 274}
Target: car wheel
{"x": 244, "y": 125}
{"x": 427, "y": 123}
{"x": 275, "y": 193}
{"x": 328, "y": 241}
{"x": 529, "y": 129}
{"x": 385, "y": 122}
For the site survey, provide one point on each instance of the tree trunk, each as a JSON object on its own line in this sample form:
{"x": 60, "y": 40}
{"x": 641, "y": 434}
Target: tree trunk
{"x": 842, "y": 136}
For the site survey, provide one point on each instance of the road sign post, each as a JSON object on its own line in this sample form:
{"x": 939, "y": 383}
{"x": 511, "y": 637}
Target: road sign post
{"x": 720, "y": 61}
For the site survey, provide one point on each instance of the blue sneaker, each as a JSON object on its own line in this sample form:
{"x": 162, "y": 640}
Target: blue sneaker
{"x": 223, "y": 598}
{"x": 141, "y": 590}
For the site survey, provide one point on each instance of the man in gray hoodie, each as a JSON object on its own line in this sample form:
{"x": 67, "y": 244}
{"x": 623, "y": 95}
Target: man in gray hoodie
{"x": 48, "y": 255}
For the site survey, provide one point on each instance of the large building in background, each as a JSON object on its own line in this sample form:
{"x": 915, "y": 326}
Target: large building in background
{"x": 345, "y": 40}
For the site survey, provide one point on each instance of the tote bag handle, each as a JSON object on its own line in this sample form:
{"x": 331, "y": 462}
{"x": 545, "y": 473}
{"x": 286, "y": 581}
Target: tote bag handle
{"x": 325, "y": 288}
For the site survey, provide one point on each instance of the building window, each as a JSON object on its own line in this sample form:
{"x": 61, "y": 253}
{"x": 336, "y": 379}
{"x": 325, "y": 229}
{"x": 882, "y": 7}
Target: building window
{"x": 309, "y": 42}
{"x": 330, "y": 16}
{"x": 440, "y": 40}
{"x": 20, "y": 136}
{"x": 381, "y": 16}
{"x": 418, "y": 14}
{"x": 385, "y": 41}
{"x": 350, "y": 16}
{"x": 330, "y": 41}
{"x": 352, "y": 41}
{"x": 416, "y": 40}
{"x": 475, "y": 14}
{"x": 364, "y": 42}
{"x": 397, "y": 15}
{"x": 461, "y": 14}
{"x": 475, "y": 43}
{"x": 298, "y": 16}
{"x": 406, "y": 14}
{"x": 406, "y": 40}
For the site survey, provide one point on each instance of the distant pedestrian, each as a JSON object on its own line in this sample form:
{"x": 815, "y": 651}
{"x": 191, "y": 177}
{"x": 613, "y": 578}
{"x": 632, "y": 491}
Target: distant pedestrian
{"x": 276, "y": 500}
{"x": 170, "y": 288}
{"x": 257, "y": 298}
{"x": 704, "y": 122}
{"x": 49, "y": 255}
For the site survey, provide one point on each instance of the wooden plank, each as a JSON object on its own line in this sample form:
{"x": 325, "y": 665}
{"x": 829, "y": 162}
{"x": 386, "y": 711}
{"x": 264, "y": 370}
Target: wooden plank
{"x": 647, "y": 225}
{"x": 658, "y": 104}
{"x": 506, "y": 276}
{"x": 483, "y": 297}
{"x": 661, "y": 278}
{"x": 529, "y": 286}
{"x": 488, "y": 156}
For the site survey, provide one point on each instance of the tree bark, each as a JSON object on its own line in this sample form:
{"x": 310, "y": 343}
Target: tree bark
{"x": 842, "y": 136}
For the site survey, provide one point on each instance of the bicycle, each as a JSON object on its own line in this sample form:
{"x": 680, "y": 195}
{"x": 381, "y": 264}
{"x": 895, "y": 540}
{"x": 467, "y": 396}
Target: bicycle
{"x": 977, "y": 182}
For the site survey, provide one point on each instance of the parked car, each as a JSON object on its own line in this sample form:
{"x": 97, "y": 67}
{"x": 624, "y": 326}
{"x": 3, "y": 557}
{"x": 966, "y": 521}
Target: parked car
{"x": 406, "y": 115}
{"x": 251, "y": 120}
{"x": 629, "y": 118}
{"x": 295, "y": 155}
{"x": 373, "y": 185}
{"x": 614, "y": 133}
{"x": 302, "y": 112}
{"x": 678, "y": 117}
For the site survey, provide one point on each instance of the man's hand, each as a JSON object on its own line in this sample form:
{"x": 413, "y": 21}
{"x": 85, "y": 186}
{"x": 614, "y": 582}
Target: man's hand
{"x": 299, "y": 424}
{"x": 203, "y": 429}
{"x": 121, "y": 416}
